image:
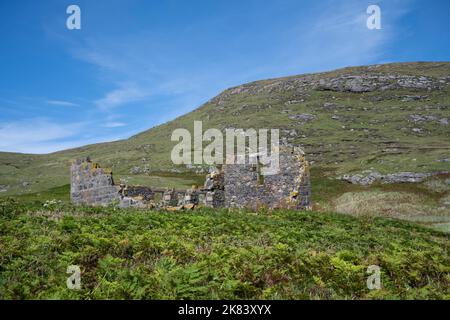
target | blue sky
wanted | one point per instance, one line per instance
(135, 64)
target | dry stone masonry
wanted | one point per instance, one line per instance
(90, 184)
(234, 186)
(215, 190)
(290, 188)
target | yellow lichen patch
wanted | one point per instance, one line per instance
(94, 167)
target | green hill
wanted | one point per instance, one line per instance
(384, 118)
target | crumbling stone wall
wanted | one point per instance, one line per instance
(170, 198)
(192, 197)
(235, 186)
(91, 185)
(138, 192)
(215, 190)
(289, 188)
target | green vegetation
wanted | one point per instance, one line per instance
(212, 254)
(61, 193)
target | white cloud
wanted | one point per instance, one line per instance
(121, 96)
(337, 37)
(114, 124)
(37, 135)
(62, 103)
(40, 136)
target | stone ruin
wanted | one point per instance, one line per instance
(245, 186)
(90, 184)
(234, 186)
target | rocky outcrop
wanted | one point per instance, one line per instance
(364, 178)
(358, 82)
(372, 82)
(368, 177)
(302, 118)
(419, 119)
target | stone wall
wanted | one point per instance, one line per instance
(235, 186)
(214, 187)
(91, 185)
(138, 192)
(290, 188)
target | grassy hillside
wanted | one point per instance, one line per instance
(389, 118)
(216, 254)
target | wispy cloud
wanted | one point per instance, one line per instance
(62, 103)
(42, 135)
(114, 124)
(36, 135)
(123, 95)
(338, 37)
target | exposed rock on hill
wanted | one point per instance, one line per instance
(368, 177)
